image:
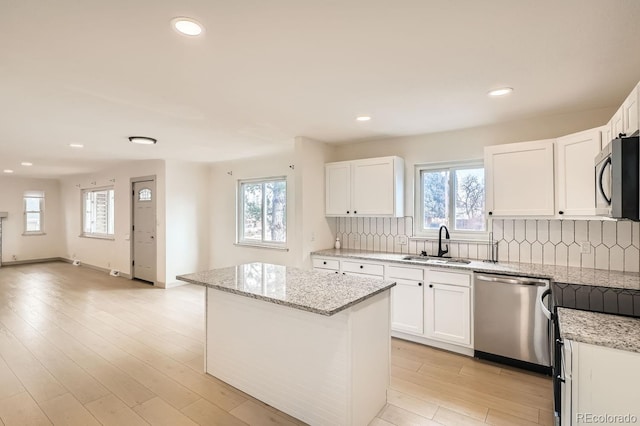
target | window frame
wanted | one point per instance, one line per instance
(240, 240)
(40, 195)
(451, 167)
(97, 235)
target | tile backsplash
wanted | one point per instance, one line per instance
(611, 245)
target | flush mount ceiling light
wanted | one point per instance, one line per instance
(26, 163)
(76, 145)
(501, 91)
(363, 118)
(142, 140)
(8, 171)
(187, 26)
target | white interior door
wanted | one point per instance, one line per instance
(144, 230)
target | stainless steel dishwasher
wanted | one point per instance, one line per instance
(511, 321)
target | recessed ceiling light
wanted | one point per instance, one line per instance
(76, 145)
(142, 140)
(8, 171)
(363, 118)
(187, 26)
(501, 91)
(26, 163)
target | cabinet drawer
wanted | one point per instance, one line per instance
(452, 278)
(326, 271)
(357, 274)
(415, 274)
(326, 263)
(363, 268)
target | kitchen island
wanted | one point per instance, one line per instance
(313, 345)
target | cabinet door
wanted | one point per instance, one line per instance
(448, 313)
(519, 179)
(373, 187)
(607, 381)
(630, 112)
(407, 306)
(575, 178)
(606, 134)
(338, 189)
(617, 124)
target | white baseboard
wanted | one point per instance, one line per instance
(171, 284)
(435, 343)
(94, 267)
(30, 261)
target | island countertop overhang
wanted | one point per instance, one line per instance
(307, 290)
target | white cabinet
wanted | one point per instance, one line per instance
(617, 124)
(338, 189)
(448, 307)
(519, 179)
(630, 112)
(369, 187)
(606, 134)
(407, 299)
(326, 265)
(603, 381)
(575, 179)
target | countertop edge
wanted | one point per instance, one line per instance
(599, 329)
(287, 304)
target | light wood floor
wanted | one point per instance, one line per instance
(79, 347)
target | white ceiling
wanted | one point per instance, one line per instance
(95, 72)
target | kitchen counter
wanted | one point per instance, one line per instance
(612, 331)
(316, 346)
(301, 289)
(558, 274)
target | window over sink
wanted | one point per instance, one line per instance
(452, 195)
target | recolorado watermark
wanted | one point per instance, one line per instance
(606, 419)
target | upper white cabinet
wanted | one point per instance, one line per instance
(519, 179)
(369, 187)
(575, 179)
(617, 124)
(630, 112)
(338, 188)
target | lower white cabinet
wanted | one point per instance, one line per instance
(601, 382)
(407, 299)
(431, 306)
(448, 307)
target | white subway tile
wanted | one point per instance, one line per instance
(555, 231)
(602, 257)
(616, 258)
(624, 233)
(574, 255)
(519, 227)
(548, 254)
(525, 252)
(631, 259)
(568, 231)
(543, 231)
(581, 230)
(562, 254)
(595, 232)
(536, 252)
(531, 230)
(609, 233)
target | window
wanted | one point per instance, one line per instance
(33, 212)
(98, 213)
(450, 195)
(262, 212)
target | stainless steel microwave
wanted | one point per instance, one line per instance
(617, 179)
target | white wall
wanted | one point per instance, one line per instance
(468, 144)
(188, 219)
(222, 198)
(112, 254)
(314, 230)
(32, 247)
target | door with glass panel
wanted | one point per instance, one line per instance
(144, 230)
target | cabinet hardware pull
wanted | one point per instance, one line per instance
(420, 284)
(560, 212)
(361, 266)
(354, 212)
(347, 211)
(324, 263)
(560, 379)
(430, 285)
(490, 213)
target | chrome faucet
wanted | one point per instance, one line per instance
(442, 252)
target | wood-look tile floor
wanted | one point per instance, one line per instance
(78, 347)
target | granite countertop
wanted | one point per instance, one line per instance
(558, 274)
(612, 331)
(311, 291)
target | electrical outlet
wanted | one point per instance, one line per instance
(355, 237)
(585, 247)
(14, 257)
(402, 240)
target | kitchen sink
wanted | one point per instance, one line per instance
(434, 260)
